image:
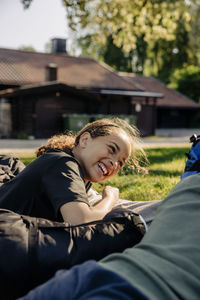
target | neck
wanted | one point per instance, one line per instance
(76, 153)
(77, 156)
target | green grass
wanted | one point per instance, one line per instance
(166, 167)
(27, 160)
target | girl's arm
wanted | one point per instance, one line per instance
(79, 212)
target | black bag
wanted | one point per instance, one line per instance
(10, 166)
(33, 249)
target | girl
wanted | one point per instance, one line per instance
(55, 185)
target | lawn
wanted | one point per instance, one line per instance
(166, 166)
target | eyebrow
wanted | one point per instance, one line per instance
(118, 148)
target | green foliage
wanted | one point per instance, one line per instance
(149, 37)
(194, 32)
(90, 48)
(116, 58)
(186, 81)
(154, 20)
(153, 38)
(27, 160)
(109, 53)
(170, 55)
(27, 48)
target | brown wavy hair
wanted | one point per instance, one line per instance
(137, 160)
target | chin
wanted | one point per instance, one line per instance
(103, 179)
(92, 179)
(96, 180)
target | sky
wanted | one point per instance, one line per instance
(45, 19)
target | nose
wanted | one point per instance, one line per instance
(114, 163)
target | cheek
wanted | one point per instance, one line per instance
(114, 173)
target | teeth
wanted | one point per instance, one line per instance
(103, 168)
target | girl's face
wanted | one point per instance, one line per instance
(102, 157)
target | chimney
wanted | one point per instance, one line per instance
(51, 72)
(58, 46)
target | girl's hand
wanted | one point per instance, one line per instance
(79, 212)
(111, 193)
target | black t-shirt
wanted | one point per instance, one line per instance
(53, 179)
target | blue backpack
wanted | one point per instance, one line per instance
(193, 162)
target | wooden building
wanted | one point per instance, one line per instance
(38, 110)
(173, 111)
(40, 88)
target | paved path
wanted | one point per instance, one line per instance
(20, 147)
(28, 147)
(166, 142)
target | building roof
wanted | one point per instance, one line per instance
(37, 88)
(19, 67)
(171, 98)
(131, 93)
(60, 86)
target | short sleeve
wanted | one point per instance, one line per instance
(63, 183)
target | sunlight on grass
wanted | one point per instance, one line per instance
(141, 188)
(177, 165)
(27, 160)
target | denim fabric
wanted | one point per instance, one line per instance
(87, 281)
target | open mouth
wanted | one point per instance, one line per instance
(103, 168)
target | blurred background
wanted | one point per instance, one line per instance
(65, 63)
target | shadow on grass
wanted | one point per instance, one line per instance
(164, 173)
(155, 172)
(129, 186)
(162, 155)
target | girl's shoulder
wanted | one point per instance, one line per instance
(61, 159)
(59, 156)
(52, 157)
(59, 153)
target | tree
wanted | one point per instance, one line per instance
(109, 53)
(116, 58)
(186, 81)
(170, 55)
(143, 31)
(27, 48)
(143, 36)
(194, 35)
(125, 21)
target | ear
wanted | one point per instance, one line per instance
(85, 138)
